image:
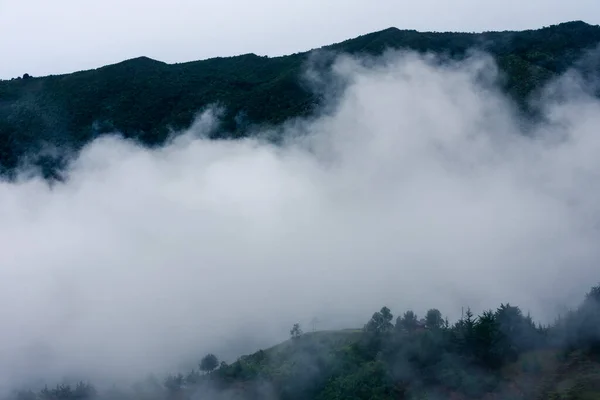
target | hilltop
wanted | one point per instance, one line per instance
(500, 354)
(147, 100)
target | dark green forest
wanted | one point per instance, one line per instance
(500, 354)
(41, 118)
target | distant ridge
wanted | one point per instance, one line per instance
(578, 24)
(144, 98)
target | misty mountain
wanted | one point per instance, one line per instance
(501, 354)
(148, 100)
(397, 178)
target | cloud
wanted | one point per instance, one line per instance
(418, 189)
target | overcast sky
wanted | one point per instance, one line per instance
(43, 37)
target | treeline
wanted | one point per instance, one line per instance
(501, 354)
(41, 118)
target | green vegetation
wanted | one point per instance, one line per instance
(209, 363)
(501, 354)
(147, 100)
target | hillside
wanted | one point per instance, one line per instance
(500, 354)
(147, 99)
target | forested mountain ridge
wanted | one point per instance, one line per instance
(147, 99)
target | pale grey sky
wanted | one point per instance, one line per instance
(43, 37)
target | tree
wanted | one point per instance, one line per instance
(174, 383)
(593, 295)
(26, 395)
(463, 332)
(433, 319)
(586, 324)
(408, 322)
(209, 363)
(193, 377)
(386, 319)
(486, 340)
(380, 322)
(84, 390)
(519, 335)
(296, 331)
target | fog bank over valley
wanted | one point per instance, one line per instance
(418, 187)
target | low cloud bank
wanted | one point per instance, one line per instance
(419, 189)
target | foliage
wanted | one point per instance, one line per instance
(499, 354)
(62, 392)
(209, 362)
(296, 331)
(381, 322)
(408, 322)
(146, 100)
(434, 319)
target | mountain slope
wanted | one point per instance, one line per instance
(498, 355)
(146, 99)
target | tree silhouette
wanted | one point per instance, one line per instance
(408, 322)
(296, 332)
(380, 321)
(433, 319)
(209, 362)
